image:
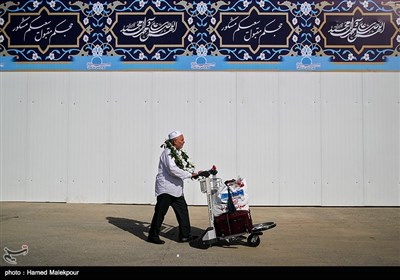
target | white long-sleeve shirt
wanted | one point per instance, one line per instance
(170, 177)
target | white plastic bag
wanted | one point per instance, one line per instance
(239, 194)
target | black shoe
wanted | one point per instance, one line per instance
(155, 240)
(188, 239)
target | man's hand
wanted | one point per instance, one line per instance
(196, 175)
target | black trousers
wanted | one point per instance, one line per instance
(178, 204)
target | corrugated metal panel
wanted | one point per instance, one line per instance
(89, 137)
(47, 144)
(273, 129)
(130, 140)
(381, 138)
(300, 139)
(173, 108)
(215, 123)
(14, 117)
(258, 135)
(342, 139)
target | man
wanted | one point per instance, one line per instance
(174, 167)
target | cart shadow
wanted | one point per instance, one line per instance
(231, 244)
(140, 229)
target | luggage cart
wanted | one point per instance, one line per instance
(211, 187)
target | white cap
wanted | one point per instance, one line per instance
(174, 134)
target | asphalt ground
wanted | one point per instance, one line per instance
(109, 235)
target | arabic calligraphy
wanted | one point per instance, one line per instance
(356, 28)
(150, 30)
(253, 30)
(42, 30)
(146, 28)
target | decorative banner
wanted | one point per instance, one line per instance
(67, 35)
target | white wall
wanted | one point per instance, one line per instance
(320, 138)
(342, 139)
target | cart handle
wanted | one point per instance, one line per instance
(207, 173)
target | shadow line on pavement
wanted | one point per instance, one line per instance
(140, 229)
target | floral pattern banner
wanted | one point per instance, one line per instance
(244, 35)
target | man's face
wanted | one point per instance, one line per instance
(179, 142)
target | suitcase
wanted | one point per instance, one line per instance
(238, 222)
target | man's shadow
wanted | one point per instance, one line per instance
(140, 229)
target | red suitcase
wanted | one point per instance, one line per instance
(238, 222)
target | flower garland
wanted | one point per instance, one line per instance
(180, 156)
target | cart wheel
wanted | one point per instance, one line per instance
(253, 240)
